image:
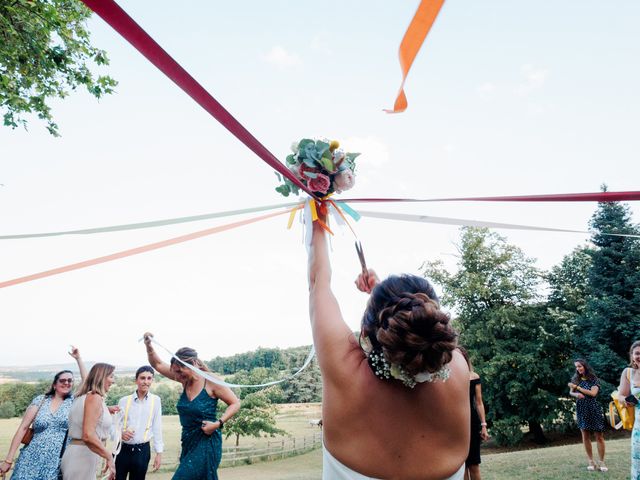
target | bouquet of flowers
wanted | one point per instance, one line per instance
(321, 165)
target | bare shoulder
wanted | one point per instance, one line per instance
(93, 402)
(93, 397)
(473, 376)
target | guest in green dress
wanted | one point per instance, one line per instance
(201, 427)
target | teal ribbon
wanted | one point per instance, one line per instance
(349, 211)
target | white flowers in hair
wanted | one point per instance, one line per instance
(385, 370)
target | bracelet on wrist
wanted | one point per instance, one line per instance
(483, 424)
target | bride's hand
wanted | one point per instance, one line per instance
(365, 283)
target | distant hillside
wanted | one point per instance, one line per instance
(34, 373)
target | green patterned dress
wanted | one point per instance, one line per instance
(201, 453)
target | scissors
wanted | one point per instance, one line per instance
(363, 263)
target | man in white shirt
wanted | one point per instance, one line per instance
(141, 425)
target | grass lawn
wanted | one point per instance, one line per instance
(566, 462)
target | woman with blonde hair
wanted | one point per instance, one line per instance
(629, 392)
(201, 437)
(49, 415)
(89, 426)
(395, 401)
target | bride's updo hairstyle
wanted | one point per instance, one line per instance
(403, 320)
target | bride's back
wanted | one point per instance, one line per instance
(383, 429)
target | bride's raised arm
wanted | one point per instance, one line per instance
(331, 336)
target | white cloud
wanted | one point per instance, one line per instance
(486, 88)
(320, 44)
(449, 148)
(534, 78)
(280, 57)
(374, 151)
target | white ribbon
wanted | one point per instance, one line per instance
(217, 381)
(476, 223)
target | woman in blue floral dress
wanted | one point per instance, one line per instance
(48, 414)
(201, 427)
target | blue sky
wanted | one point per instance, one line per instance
(505, 98)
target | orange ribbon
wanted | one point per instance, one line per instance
(343, 217)
(411, 43)
(142, 249)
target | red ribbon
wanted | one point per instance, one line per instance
(559, 197)
(121, 22)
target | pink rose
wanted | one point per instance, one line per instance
(344, 180)
(319, 184)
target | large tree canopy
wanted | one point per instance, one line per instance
(610, 320)
(45, 52)
(519, 347)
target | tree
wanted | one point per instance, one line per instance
(45, 52)
(519, 349)
(169, 396)
(7, 409)
(569, 281)
(610, 321)
(256, 417)
(305, 388)
(21, 394)
(257, 376)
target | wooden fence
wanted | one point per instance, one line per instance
(274, 450)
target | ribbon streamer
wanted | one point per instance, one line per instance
(122, 23)
(562, 197)
(476, 223)
(150, 224)
(138, 250)
(557, 197)
(410, 46)
(217, 381)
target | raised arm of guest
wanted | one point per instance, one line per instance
(155, 361)
(75, 353)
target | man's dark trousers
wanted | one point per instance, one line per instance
(134, 460)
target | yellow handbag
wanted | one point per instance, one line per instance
(621, 416)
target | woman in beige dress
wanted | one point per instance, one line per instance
(89, 427)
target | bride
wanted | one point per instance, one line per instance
(395, 400)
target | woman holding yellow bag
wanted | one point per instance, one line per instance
(630, 386)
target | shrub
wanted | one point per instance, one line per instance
(507, 431)
(7, 410)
